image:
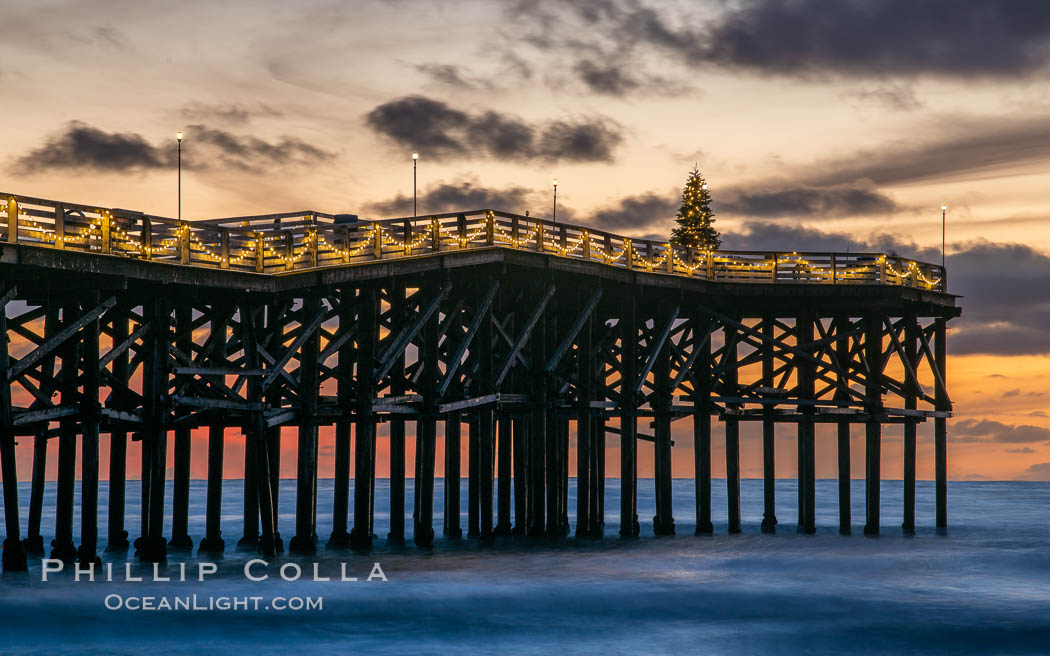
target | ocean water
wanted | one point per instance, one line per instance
(981, 587)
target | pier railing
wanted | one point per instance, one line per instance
(292, 241)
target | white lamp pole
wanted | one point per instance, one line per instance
(555, 215)
(944, 214)
(415, 159)
(178, 137)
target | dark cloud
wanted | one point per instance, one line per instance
(231, 113)
(83, 147)
(806, 202)
(442, 132)
(994, 431)
(1005, 299)
(463, 194)
(1037, 472)
(606, 79)
(637, 213)
(1024, 449)
(873, 38)
(1038, 413)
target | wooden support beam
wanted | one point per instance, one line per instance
(732, 433)
(122, 348)
(426, 438)
(873, 427)
(769, 477)
(660, 401)
(180, 501)
(306, 332)
(72, 327)
(702, 426)
(409, 332)
(486, 428)
(503, 461)
(340, 537)
(574, 330)
(117, 540)
(364, 427)
(655, 348)
(305, 539)
(908, 355)
(212, 541)
(453, 439)
(940, 424)
(585, 443)
(480, 313)
(34, 543)
(14, 557)
(257, 450)
(156, 406)
(520, 436)
(62, 546)
(628, 417)
(842, 350)
(524, 335)
(806, 430)
(89, 409)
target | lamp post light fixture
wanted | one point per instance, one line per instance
(944, 214)
(178, 137)
(415, 159)
(555, 214)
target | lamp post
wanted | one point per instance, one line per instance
(178, 137)
(944, 214)
(555, 214)
(415, 159)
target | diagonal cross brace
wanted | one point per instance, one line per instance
(526, 332)
(386, 362)
(655, 351)
(304, 335)
(39, 352)
(574, 330)
(464, 344)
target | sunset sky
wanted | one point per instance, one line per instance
(819, 125)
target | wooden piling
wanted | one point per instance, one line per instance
(117, 540)
(62, 546)
(453, 427)
(732, 423)
(157, 403)
(340, 537)
(842, 352)
(504, 458)
(397, 424)
(256, 445)
(663, 521)
(89, 411)
(520, 437)
(873, 425)
(486, 427)
(702, 424)
(806, 428)
(180, 501)
(364, 426)
(940, 424)
(426, 437)
(628, 419)
(911, 398)
(14, 557)
(305, 539)
(585, 370)
(769, 475)
(212, 541)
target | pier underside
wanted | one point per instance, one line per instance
(524, 352)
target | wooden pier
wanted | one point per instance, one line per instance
(516, 331)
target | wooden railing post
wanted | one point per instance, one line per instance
(563, 239)
(461, 228)
(490, 228)
(587, 245)
(882, 270)
(435, 235)
(224, 248)
(344, 237)
(184, 243)
(649, 255)
(608, 249)
(776, 266)
(260, 253)
(834, 270)
(670, 257)
(311, 241)
(60, 226)
(147, 238)
(289, 250)
(106, 226)
(377, 241)
(12, 220)
(539, 236)
(406, 235)
(709, 264)
(628, 252)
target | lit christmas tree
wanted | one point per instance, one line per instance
(695, 219)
